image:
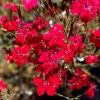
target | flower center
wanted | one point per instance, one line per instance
(46, 84)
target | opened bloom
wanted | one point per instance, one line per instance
(90, 92)
(11, 25)
(12, 6)
(91, 59)
(49, 85)
(19, 55)
(2, 85)
(95, 38)
(86, 9)
(30, 3)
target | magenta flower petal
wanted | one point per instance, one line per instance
(76, 7)
(85, 16)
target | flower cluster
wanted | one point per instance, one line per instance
(49, 50)
(86, 9)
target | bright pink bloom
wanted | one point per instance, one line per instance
(29, 4)
(3, 19)
(90, 92)
(76, 38)
(12, 6)
(2, 85)
(40, 23)
(31, 37)
(57, 27)
(55, 36)
(76, 43)
(20, 55)
(49, 85)
(17, 19)
(79, 80)
(95, 38)
(11, 25)
(48, 67)
(86, 9)
(91, 58)
(27, 36)
(19, 40)
(69, 54)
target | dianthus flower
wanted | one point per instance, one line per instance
(29, 4)
(2, 85)
(86, 9)
(11, 25)
(40, 23)
(50, 85)
(47, 65)
(90, 92)
(3, 19)
(79, 80)
(69, 54)
(55, 35)
(19, 54)
(95, 38)
(91, 58)
(12, 6)
(27, 35)
(76, 43)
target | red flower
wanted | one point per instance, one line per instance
(44, 57)
(87, 9)
(30, 3)
(48, 67)
(31, 37)
(79, 80)
(77, 47)
(17, 19)
(90, 92)
(49, 85)
(11, 25)
(91, 58)
(3, 19)
(69, 54)
(27, 36)
(75, 83)
(76, 43)
(12, 6)
(40, 23)
(76, 38)
(96, 38)
(2, 85)
(20, 55)
(55, 37)
(56, 27)
(19, 40)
